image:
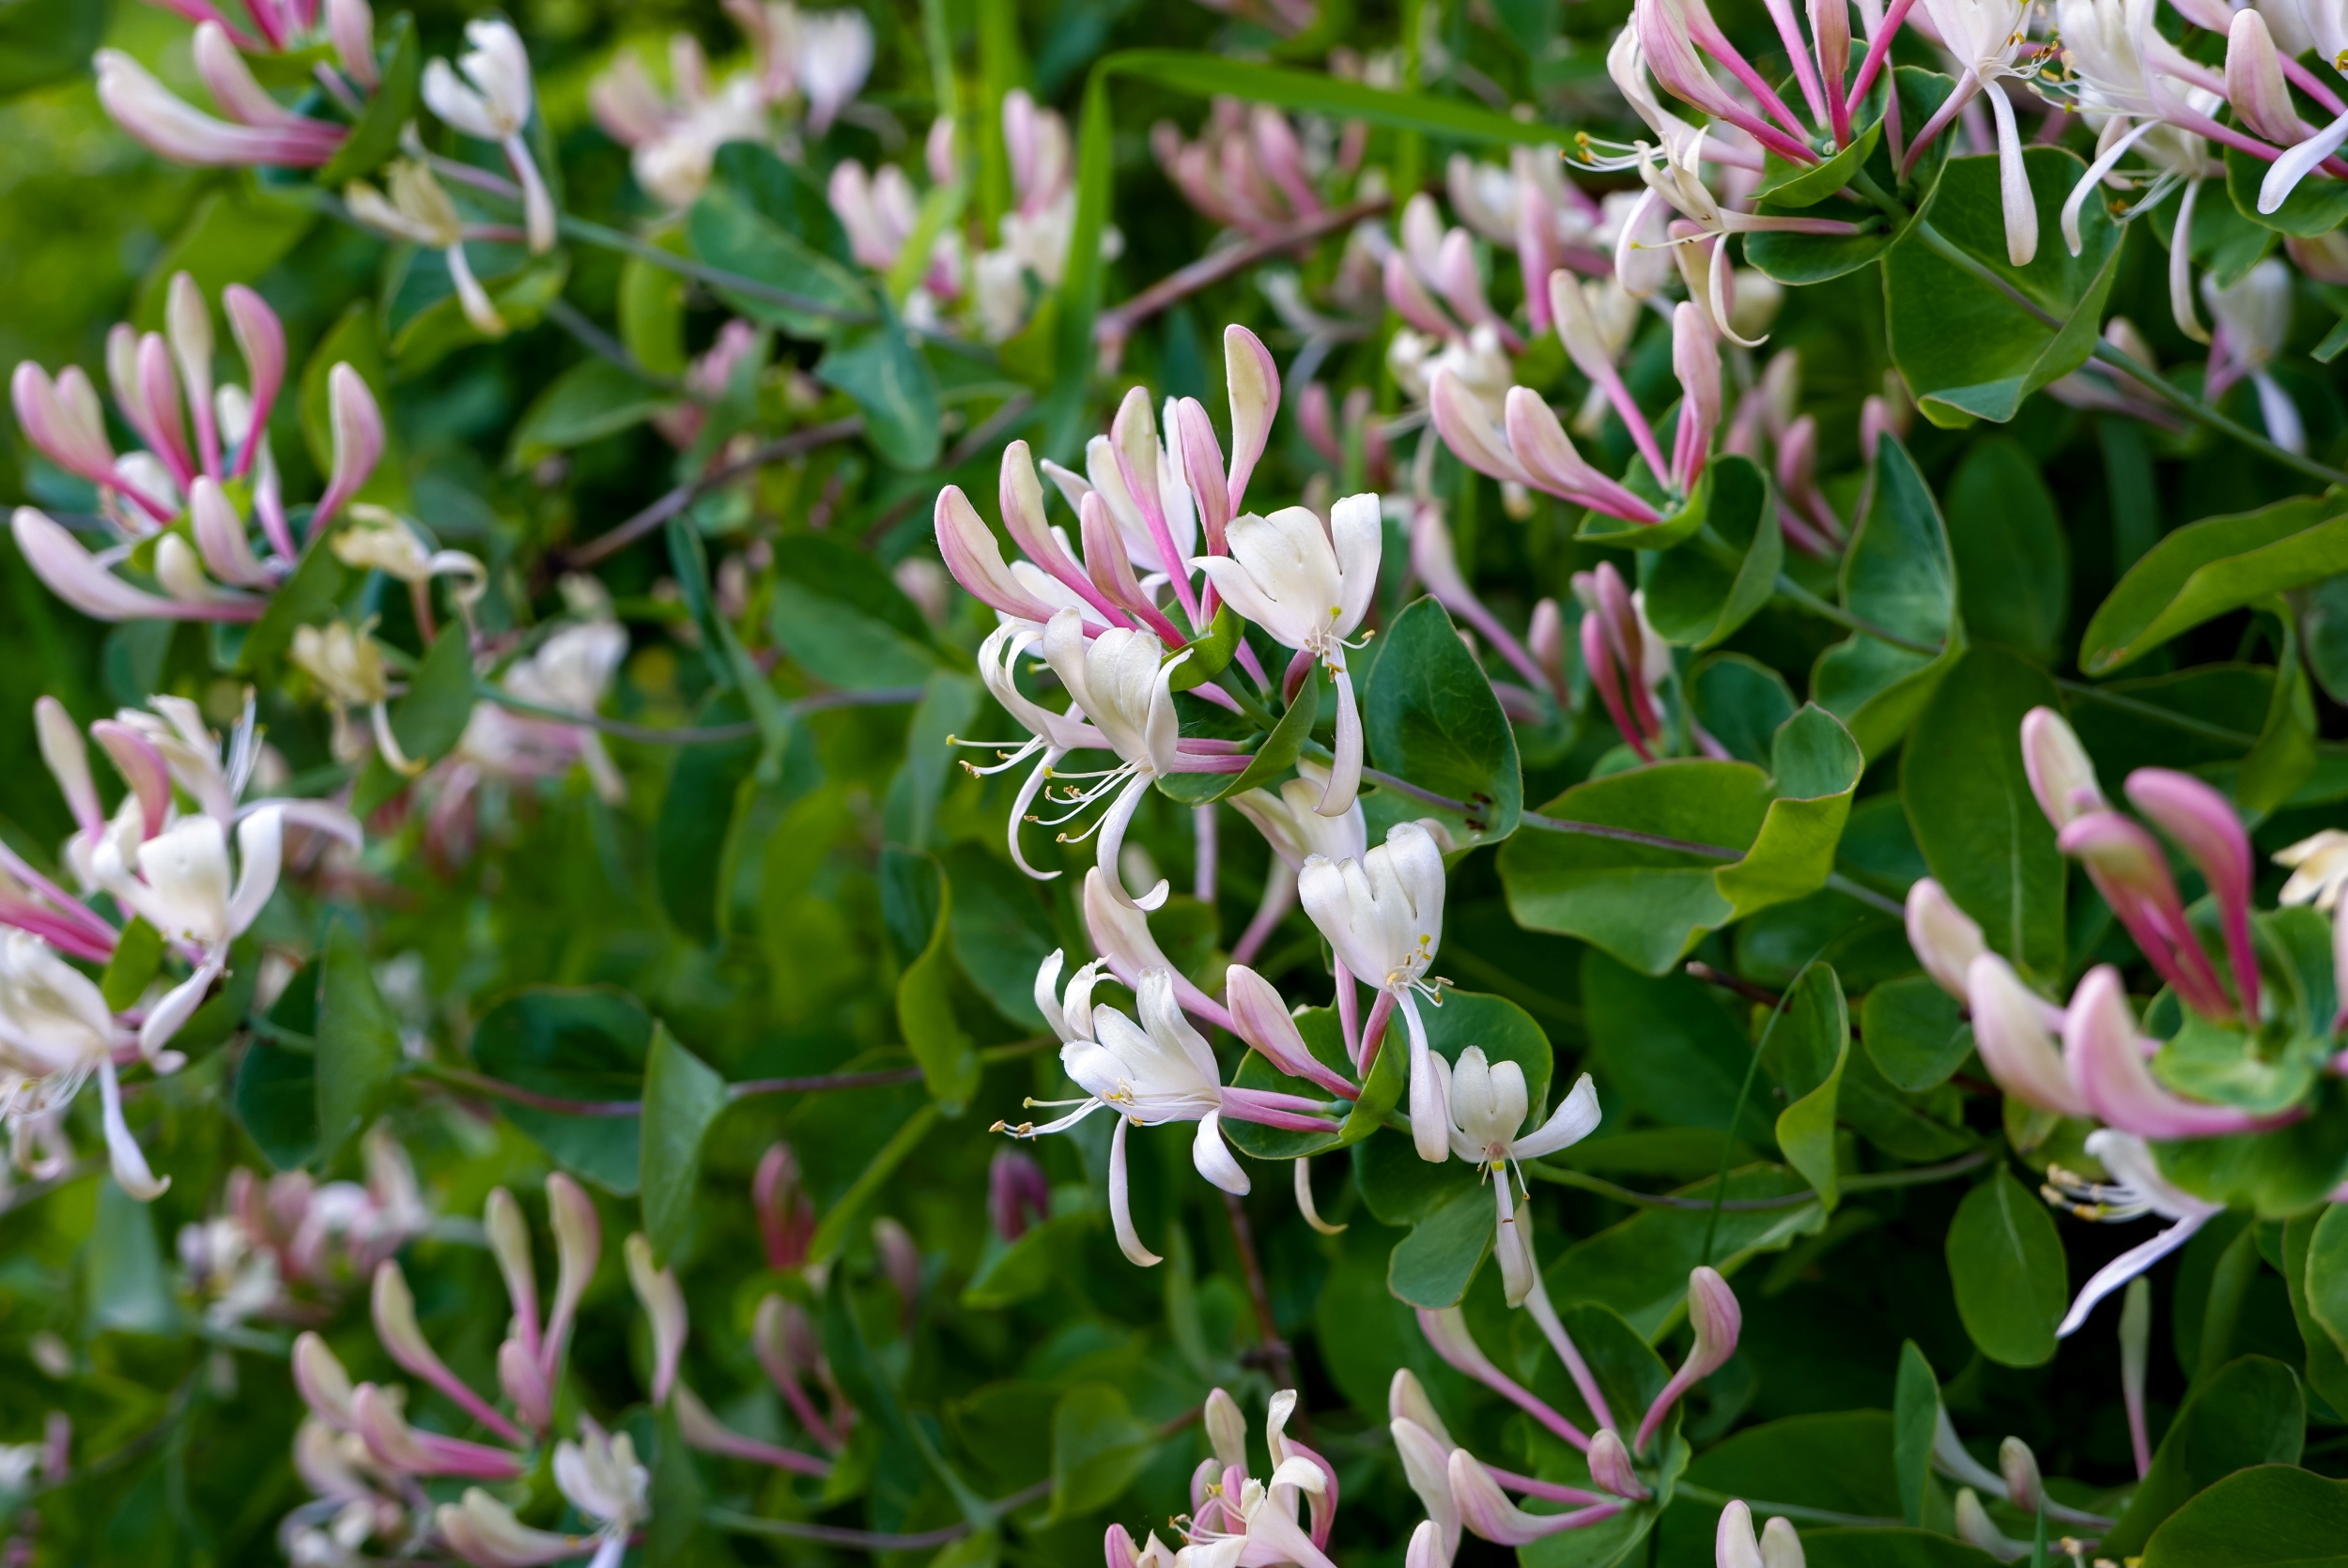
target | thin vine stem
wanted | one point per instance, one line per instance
(714, 734)
(1879, 1181)
(1825, 609)
(797, 443)
(1710, 1498)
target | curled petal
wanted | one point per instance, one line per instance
(1120, 1202)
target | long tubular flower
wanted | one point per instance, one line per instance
(1309, 587)
(1485, 1509)
(1943, 937)
(1447, 1331)
(1534, 452)
(2137, 1188)
(1121, 934)
(1486, 1105)
(1383, 915)
(2204, 825)
(1289, 822)
(2104, 1059)
(1984, 35)
(492, 101)
(1436, 565)
(2252, 324)
(1717, 1320)
(1160, 1070)
(1260, 1017)
(2057, 768)
(419, 211)
(2127, 868)
(2010, 1030)
(173, 129)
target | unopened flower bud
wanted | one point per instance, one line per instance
(664, 1303)
(2060, 774)
(357, 431)
(1945, 939)
(2010, 1032)
(1780, 1546)
(1226, 1430)
(522, 1382)
(319, 1378)
(350, 27)
(2019, 1467)
(1610, 1468)
(1975, 1528)
(1713, 1313)
(1406, 1400)
(900, 1260)
(1017, 1193)
(578, 1245)
(509, 1243)
(1253, 381)
(1733, 1544)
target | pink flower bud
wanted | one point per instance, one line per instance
(509, 1243)
(1944, 938)
(63, 749)
(241, 98)
(1486, 1509)
(484, 1532)
(2105, 1058)
(323, 1384)
(1201, 460)
(1425, 1549)
(395, 1444)
(1733, 1545)
(1316, 419)
(2019, 1467)
(1406, 1400)
(1610, 1467)
(1407, 296)
(1696, 360)
(2011, 1035)
(2059, 774)
(1017, 1193)
(261, 338)
(1121, 934)
(2204, 825)
(168, 126)
(578, 1245)
(1468, 430)
(663, 1302)
(159, 393)
(350, 27)
(358, 427)
(220, 536)
(969, 550)
(63, 420)
(2255, 84)
(395, 1308)
(1253, 382)
(1463, 286)
(73, 574)
(1544, 638)
(1551, 463)
(1260, 1017)
(786, 1220)
(900, 1261)
(1713, 1313)
(522, 1382)
(2127, 868)
(937, 150)
(1281, 157)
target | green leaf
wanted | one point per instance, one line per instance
(1640, 1267)
(683, 1095)
(880, 368)
(1006, 1276)
(2249, 1412)
(358, 1042)
(925, 1012)
(841, 616)
(2266, 1516)
(2326, 1364)
(138, 957)
(47, 41)
(697, 812)
(2325, 1273)
(1915, 1419)
(785, 196)
(1890, 1548)
(305, 599)
(832, 1233)
(1812, 258)
(948, 702)
(126, 1284)
(1000, 931)
(2314, 207)
(1278, 752)
(430, 718)
(727, 232)
(276, 1102)
(1915, 1032)
(1698, 594)
(2276, 1174)
(236, 234)
(585, 1044)
(1217, 75)
(676, 1536)
(1433, 1265)
(2285, 753)
(391, 106)
(1969, 805)
(441, 327)
(1429, 715)
(1969, 351)
(1817, 765)
(652, 308)
(1099, 1447)
(2205, 569)
(2009, 542)
(1740, 703)
(1807, 184)
(1210, 653)
(1898, 574)
(2005, 1258)
(593, 399)
(1807, 1047)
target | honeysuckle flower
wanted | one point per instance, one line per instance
(491, 100)
(2059, 773)
(272, 1238)
(2204, 824)
(2105, 1058)
(1248, 169)
(1308, 587)
(1610, 1468)
(2127, 867)
(598, 1475)
(1260, 1017)
(1951, 1459)
(55, 1033)
(1734, 1546)
(419, 211)
(1717, 1320)
(346, 668)
(1672, 32)
(261, 134)
(1984, 35)
(1486, 1512)
(1628, 663)
(2318, 870)
(1291, 820)
(786, 1345)
(2136, 1189)
(833, 53)
(1485, 1106)
(1677, 181)
(2252, 322)
(673, 139)
(1383, 916)
(1239, 1521)
(1121, 934)
(1121, 1552)
(1943, 937)
(1534, 451)
(1159, 1071)
(2011, 1032)
(1447, 1334)
(786, 1216)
